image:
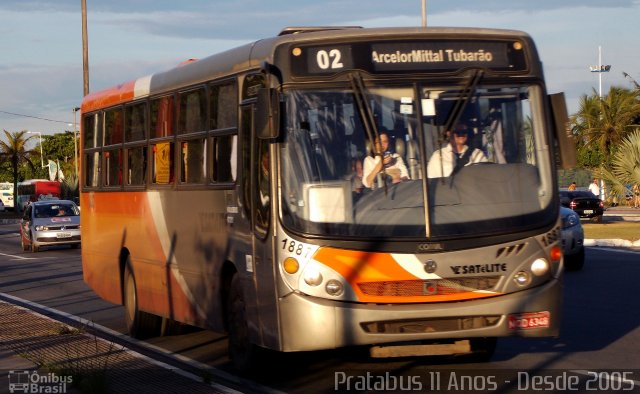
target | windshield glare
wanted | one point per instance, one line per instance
(439, 161)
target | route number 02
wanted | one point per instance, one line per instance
(329, 59)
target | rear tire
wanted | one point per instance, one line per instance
(140, 324)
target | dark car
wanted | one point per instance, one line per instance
(584, 203)
(48, 223)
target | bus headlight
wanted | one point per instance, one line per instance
(42, 228)
(540, 267)
(312, 275)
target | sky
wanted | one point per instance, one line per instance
(41, 45)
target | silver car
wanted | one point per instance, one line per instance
(572, 239)
(48, 223)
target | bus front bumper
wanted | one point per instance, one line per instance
(310, 323)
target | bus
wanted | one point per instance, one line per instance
(221, 194)
(36, 189)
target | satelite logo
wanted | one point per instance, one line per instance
(33, 382)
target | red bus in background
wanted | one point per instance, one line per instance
(36, 189)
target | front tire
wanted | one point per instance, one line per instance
(140, 324)
(34, 248)
(243, 354)
(575, 262)
(482, 349)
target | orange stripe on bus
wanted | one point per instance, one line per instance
(361, 267)
(109, 97)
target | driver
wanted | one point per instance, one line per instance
(455, 155)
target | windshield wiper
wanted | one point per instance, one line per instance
(463, 98)
(368, 121)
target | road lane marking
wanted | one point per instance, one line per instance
(18, 257)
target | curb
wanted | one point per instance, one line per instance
(73, 353)
(620, 243)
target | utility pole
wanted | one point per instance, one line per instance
(424, 13)
(85, 48)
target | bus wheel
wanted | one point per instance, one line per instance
(482, 349)
(243, 354)
(139, 324)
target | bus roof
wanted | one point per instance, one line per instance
(250, 56)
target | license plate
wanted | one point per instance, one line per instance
(526, 321)
(63, 235)
(588, 211)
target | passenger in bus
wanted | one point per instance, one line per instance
(456, 154)
(357, 186)
(394, 167)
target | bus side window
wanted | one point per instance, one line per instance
(92, 169)
(137, 166)
(162, 162)
(113, 167)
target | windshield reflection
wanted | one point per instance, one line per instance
(479, 175)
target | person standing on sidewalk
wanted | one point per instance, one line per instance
(636, 195)
(594, 188)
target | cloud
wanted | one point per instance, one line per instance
(40, 71)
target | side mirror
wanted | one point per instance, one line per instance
(268, 114)
(566, 142)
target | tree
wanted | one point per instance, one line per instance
(14, 151)
(625, 165)
(59, 147)
(602, 123)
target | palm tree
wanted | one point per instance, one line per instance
(604, 122)
(625, 165)
(14, 151)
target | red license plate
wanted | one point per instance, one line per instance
(526, 321)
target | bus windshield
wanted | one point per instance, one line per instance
(433, 161)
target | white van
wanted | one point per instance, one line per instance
(7, 199)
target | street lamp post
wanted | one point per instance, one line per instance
(41, 154)
(600, 68)
(75, 140)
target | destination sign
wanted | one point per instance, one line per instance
(408, 56)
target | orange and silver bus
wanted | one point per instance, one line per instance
(226, 193)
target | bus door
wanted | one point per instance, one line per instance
(259, 264)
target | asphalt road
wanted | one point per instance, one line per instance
(600, 333)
